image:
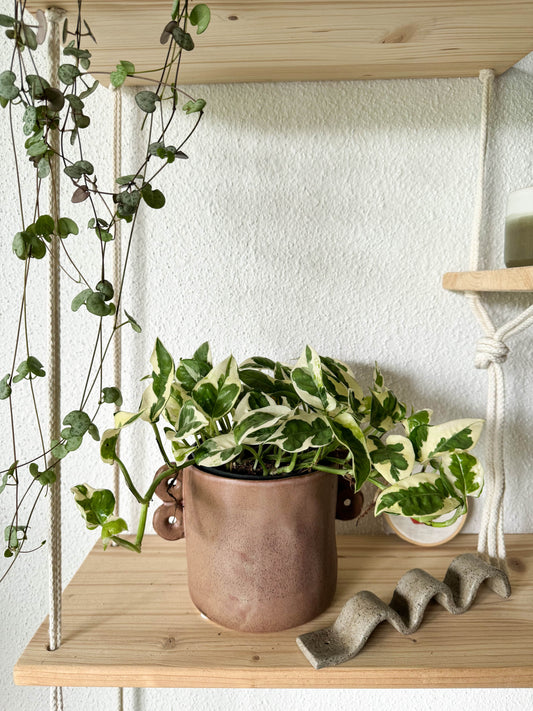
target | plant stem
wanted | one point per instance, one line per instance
(160, 444)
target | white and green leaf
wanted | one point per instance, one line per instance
(217, 451)
(422, 417)
(258, 425)
(191, 420)
(421, 495)
(349, 433)
(395, 459)
(217, 393)
(181, 451)
(340, 380)
(306, 430)
(307, 379)
(385, 410)
(108, 446)
(95, 505)
(123, 418)
(464, 471)
(449, 437)
(254, 400)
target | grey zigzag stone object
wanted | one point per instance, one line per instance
(364, 611)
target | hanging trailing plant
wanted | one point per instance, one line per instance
(37, 110)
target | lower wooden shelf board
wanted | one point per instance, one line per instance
(128, 621)
(511, 279)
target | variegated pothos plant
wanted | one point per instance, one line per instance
(275, 418)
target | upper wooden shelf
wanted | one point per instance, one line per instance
(298, 40)
(128, 621)
(514, 279)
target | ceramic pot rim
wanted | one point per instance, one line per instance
(223, 474)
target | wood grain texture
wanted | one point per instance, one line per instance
(514, 279)
(257, 40)
(128, 621)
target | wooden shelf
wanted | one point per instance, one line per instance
(128, 621)
(515, 279)
(267, 40)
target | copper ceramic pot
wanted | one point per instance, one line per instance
(261, 553)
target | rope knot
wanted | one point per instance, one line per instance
(55, 14)
(490, 350)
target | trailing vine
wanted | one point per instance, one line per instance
(39, 109)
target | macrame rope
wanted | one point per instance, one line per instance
(491, 353)
(117, 276)
(117, 268)
(54, 17)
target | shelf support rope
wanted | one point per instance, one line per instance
(491, 353)
(54, 16)
(117, 276)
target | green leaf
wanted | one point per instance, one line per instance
(8, 90)
(28, 368)
(58, 450)
(29, 37)
(253, 400)
(29, 120)
(103, 235)
(95, 505)
(22, 245)
(43, 167)
(93, 431)
(87, 92)
(112, 527)
(5, 387)
(133, 323)
(15, 536)
(192, 107)
(80, 299)
(44, 226)
(96, 304)
(127, 179)
(48, 476)
(203, 353)
(153, 198)
(108, 445)
(200, 17)
(190, 371)
(217, 393)
(112, 395)
(37, 86)
(128, 202)
(182, 38)
(68, 73)
(66, 226)
(8, 475)
(78, 423)
(146, 101)
(78, 169)
(6, 21)
(347, 430)
(106, 289)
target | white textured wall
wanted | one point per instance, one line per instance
(321, 213)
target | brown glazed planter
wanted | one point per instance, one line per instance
(261, 553)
